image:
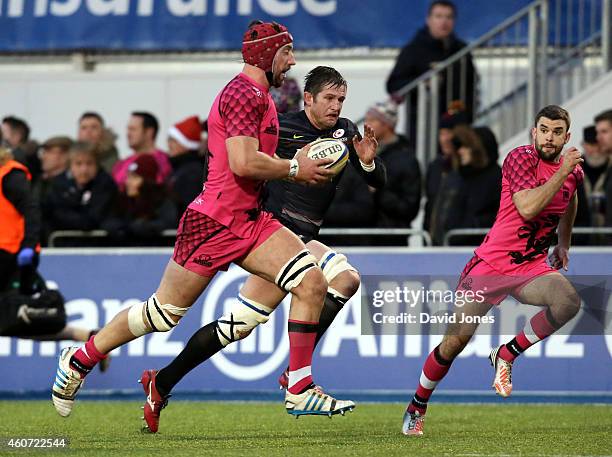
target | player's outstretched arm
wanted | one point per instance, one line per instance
(530, 202)
(246, 161)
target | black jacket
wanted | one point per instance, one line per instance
(436, 173)
(467, 198)
(478, 200)
(353, 204)
(397, 204)
(417, 57)
(141, 221)
(187, 179)
(68, 207)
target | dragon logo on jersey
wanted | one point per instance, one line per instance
(535, 246)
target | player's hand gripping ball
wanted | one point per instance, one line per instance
(325, 148)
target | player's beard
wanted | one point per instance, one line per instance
(277, 81)
(548, 156)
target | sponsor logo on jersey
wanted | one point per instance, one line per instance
(338, 133)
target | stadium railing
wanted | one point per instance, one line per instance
(59, 235)
(382, 232)
(455, 233)
(547, 51)
(54, 237)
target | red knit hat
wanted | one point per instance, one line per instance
(145, 165)
(261, 42)
(188, 132)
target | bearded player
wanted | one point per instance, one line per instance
(226, 224)
(302, 209)
(538, 198)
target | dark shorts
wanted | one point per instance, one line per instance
(204, 246)
(479, 276)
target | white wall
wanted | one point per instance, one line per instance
(582, 108)
(52, 98)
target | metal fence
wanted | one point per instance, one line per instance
(532, 59)
(66, 237)
(600, 232)
(338, 234)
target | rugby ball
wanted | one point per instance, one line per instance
(331, 148)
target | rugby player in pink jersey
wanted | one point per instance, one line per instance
(538, 199)
(226, 224)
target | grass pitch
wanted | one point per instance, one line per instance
(254, 429)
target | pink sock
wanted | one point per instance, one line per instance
(539, 327)
(86, 357)
(434, 369)
(302, 336)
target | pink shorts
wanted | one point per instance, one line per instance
(479, 276)
(204, 246)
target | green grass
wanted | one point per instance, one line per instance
(254, 429)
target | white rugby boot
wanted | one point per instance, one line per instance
(315, 402)
(67, 383)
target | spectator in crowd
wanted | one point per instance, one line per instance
(16, 136)
(477, 202)
(352, 207)
(81, 197)
(184, 144)
(92, 130)
(141, 134)
(144, 209)
(20, 223)
(288, 97)
(398, 203)
(432, 44)
(603, 127)
(438, 169)
(469, 191)
(591, 194)
(54, 162)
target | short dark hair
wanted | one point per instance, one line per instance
(62, 142)
(92, 115)
(149, 121)
(322, 76)
(83, 147)
(554, 113)
(444, 3)
(605, 116)
(18, 125)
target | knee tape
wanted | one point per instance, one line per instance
(240, 320)
(332, 263)
(152, 316)
(292, 273)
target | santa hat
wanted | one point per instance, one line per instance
(145, 165)
(261, 42)
(188, 132)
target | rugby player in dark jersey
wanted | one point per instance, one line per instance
(301, 208)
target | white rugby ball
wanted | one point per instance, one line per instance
(331, 148)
